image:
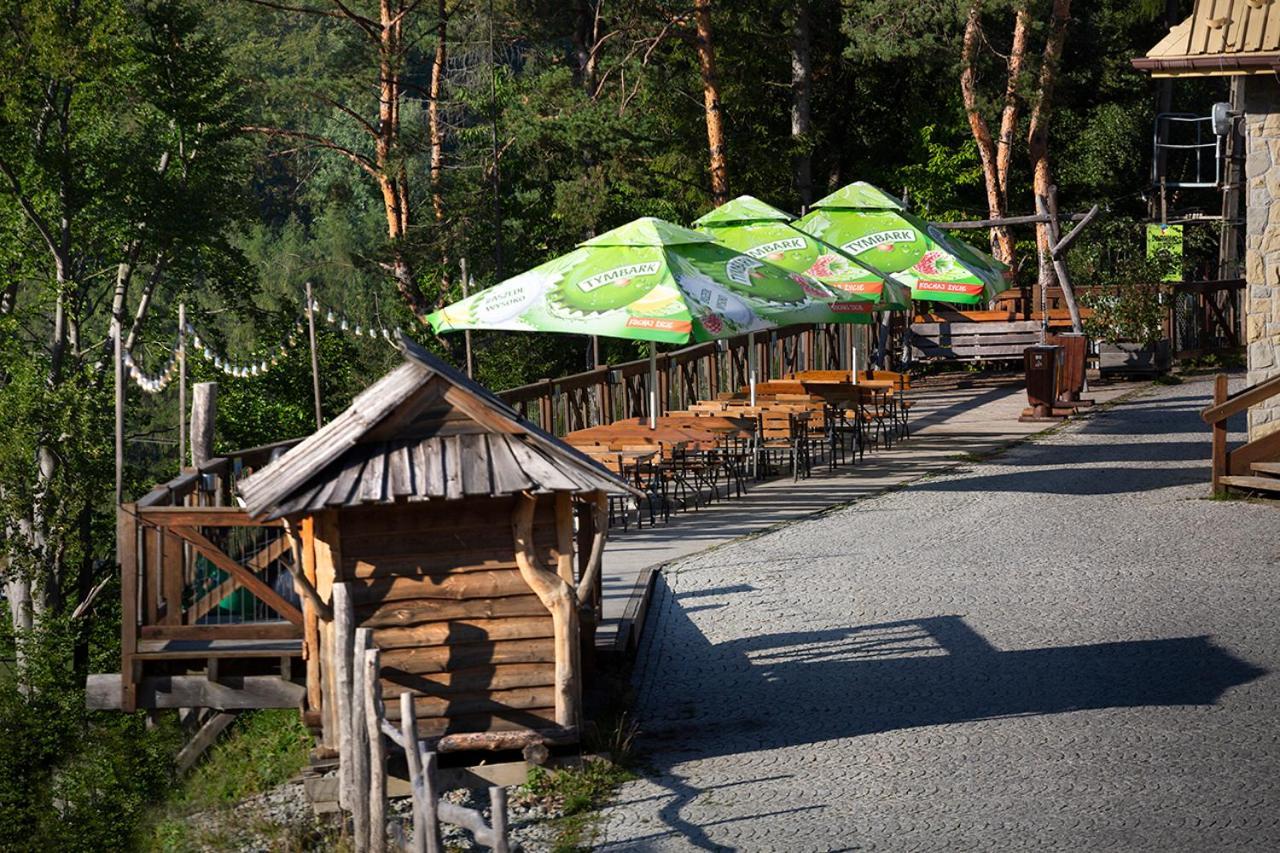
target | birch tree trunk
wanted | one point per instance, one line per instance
(1038, 131)
(801, 101)
(711, 102)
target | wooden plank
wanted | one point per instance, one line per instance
(220, 648)
(247, 579)
(475, 465)
(465, 631)
(469, 680)
(935, 329)
(347, 480)
(373, 524)
(328, 552)
(422, 562)
(102, 692)
(497, 703)
(450, 458)
(373, 479)
(235, 631)
(470, 585)
(429, 476)
(202, 516)
(442, 659)
(508, 477)
(513, 721)
(399, 472)
(382, 614)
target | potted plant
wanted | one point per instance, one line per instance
(1127, 324)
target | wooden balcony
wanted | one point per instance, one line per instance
(210, 617)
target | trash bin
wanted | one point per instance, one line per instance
(1043, 365)
(1075, 349)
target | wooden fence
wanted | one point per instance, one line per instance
(685, 376)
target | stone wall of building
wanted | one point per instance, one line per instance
(1262, 249)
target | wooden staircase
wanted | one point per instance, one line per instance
(1251, 467)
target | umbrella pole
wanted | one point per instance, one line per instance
(751, 365)
(853, 357)
(653, 386)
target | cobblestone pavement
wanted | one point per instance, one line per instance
(1063, 647)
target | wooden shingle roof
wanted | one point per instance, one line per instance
(423, 432)
(1221, 37)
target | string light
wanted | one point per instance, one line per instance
(155, 383)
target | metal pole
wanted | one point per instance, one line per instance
(182, 386)
(466, 334)
(751, 365)
(315, 360)
(853, 357)
(119, 388)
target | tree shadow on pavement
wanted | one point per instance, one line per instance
(790, 689)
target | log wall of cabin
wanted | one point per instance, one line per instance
(438, 583)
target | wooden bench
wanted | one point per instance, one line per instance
(974, 341)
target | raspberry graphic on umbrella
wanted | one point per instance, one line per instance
(928, 265)
(822, 266)
(712, 323)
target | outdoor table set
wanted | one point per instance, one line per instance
(684, 457)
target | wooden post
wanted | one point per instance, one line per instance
(559, 598)
(431, 797)
(343, 642)
(315, 359)
(1219, 435)
(466, 333)
(182, 386)
(1060, 260)
(373, 715)
(127, 554)
(359, 743)
(204, 412)
(498, 818)
(564, 536)
(426, 836)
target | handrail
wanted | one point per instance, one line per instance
(1241, 400)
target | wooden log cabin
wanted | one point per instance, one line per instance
(466, 538)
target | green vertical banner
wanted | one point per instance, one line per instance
(1164, 246)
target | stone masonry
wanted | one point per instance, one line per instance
(1262, 251)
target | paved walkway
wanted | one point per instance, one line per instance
(1063, 647)
(948, 423)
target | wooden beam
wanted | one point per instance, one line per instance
(1059, 249)
(102, 692)
(202, 516)
(202, 740)
(1241, 400)
(1030, 219)
(247, 578)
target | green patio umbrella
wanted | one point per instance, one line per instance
(762, 231)
(877, 229)
(647, 280)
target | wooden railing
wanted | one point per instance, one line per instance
(685, 376)
(1236, 462)
(195, 568)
